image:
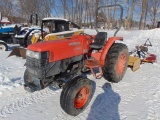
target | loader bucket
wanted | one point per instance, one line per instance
(134, 62)
(20, 52)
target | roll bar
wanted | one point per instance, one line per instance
(121, 15)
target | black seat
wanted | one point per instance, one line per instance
(99, 40)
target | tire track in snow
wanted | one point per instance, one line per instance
(148, 87)
(153, 103)
(126, 98)
(130, 94)
(5, 69)
(81, 116)
(151, 92)
(140, 85)
(7, 83)
(26, 101)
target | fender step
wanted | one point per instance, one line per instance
(91, 64)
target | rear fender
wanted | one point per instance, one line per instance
(107, 47)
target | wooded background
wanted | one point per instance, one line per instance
(137, 13)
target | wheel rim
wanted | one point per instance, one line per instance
(2, 47)
(121, 63)
(81, 97)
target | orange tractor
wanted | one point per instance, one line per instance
(63, 61)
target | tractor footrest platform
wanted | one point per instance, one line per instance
(91, 64)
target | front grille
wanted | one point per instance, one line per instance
(36, 63)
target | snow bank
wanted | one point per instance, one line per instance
(11, 72)
(7, 84)
(140, 36)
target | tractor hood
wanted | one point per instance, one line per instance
(6, 29)
(48, 46)
(59, 49)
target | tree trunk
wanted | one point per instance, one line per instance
(131, 15)
(143, 15)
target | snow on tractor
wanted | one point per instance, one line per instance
(61, 62)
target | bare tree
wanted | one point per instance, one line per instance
(131, 14)
(82, 12)
(153, 9)
(143, 14)
(7, 8)
(41, 7)
(64, 7)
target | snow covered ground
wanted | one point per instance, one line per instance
(136, 97)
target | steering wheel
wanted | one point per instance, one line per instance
(86, 35)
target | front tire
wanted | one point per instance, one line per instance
(27, 77)
(76, 95)
(116, 62)
(3, 46)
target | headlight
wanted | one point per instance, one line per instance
(32, 54)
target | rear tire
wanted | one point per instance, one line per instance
(116, 62)
(76, 95)
(3, 46)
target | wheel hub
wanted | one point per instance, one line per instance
(81, 97)
(121, 63)
(2, 48)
